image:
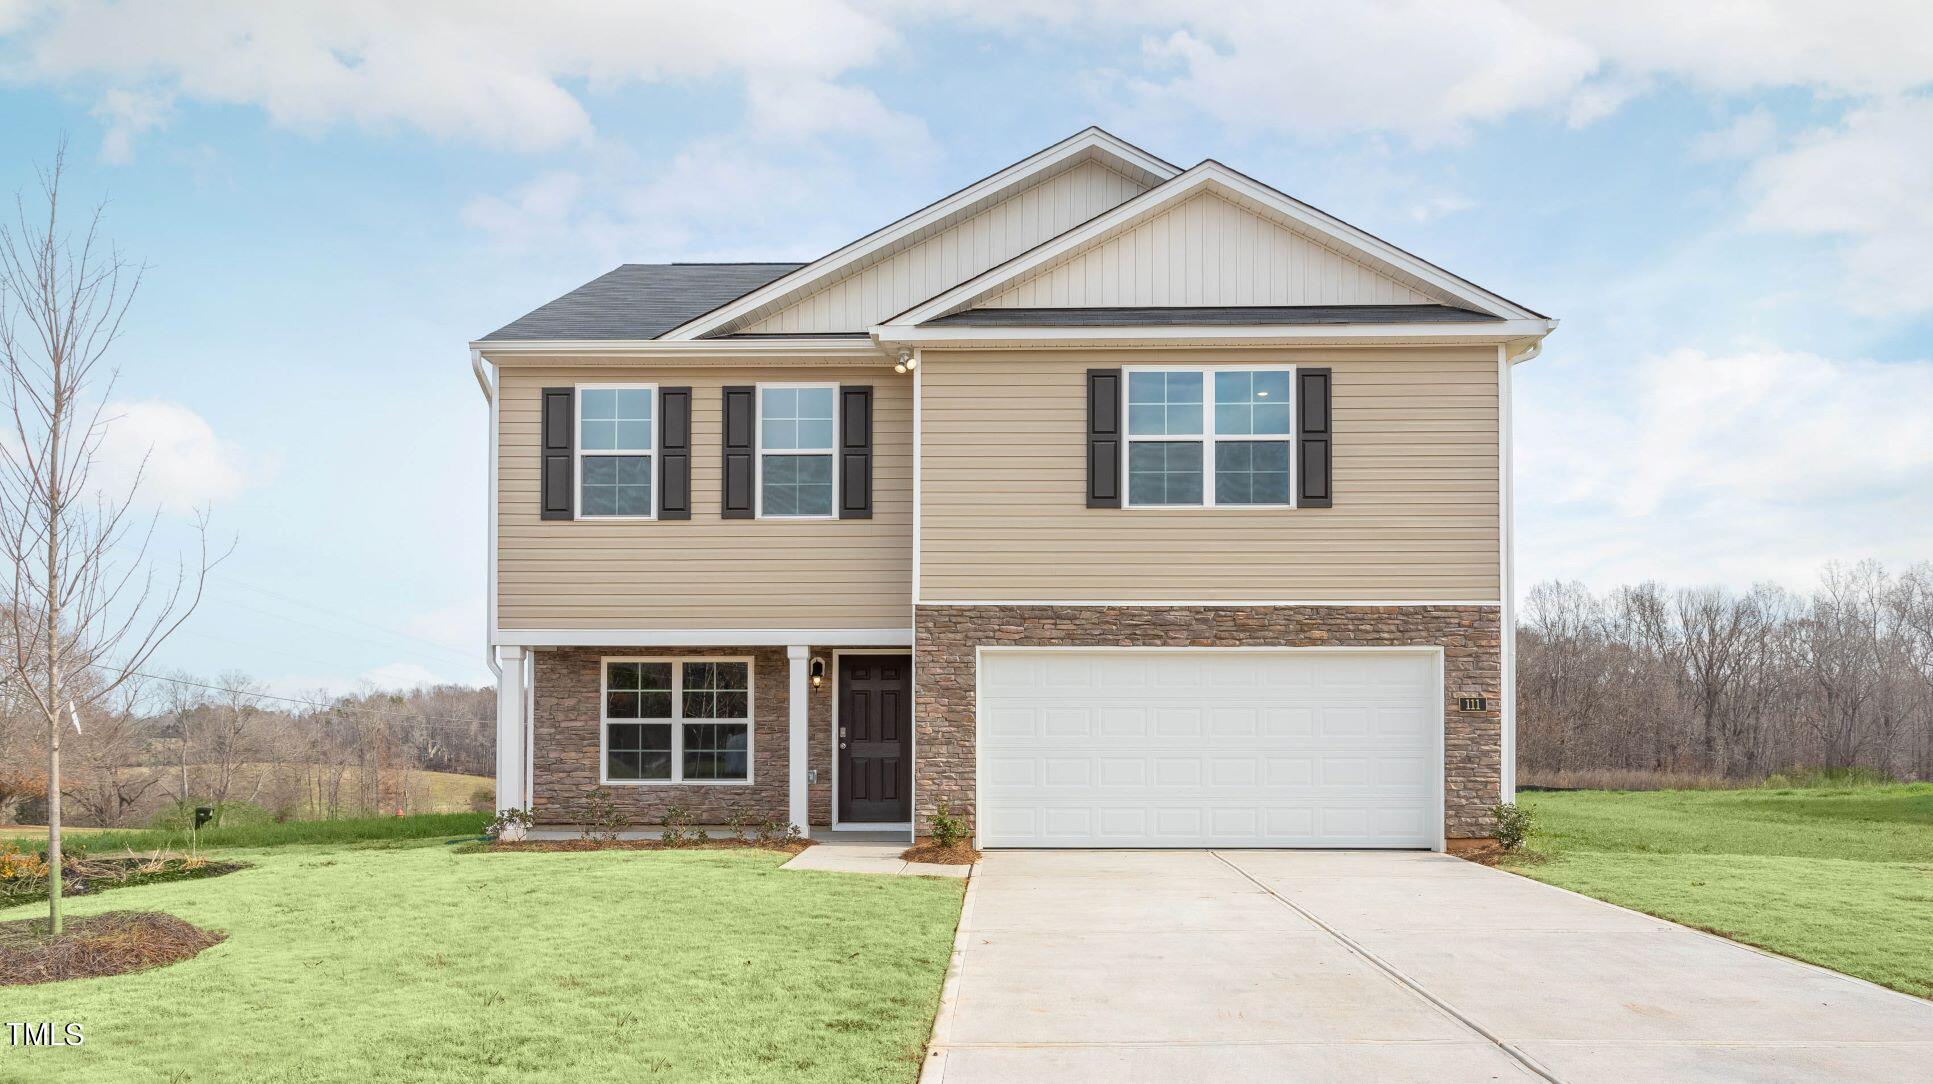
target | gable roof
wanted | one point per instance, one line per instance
(639, 301)
(736, 314)
(1309, 222)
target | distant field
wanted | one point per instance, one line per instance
(1839, 876)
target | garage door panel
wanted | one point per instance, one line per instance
(1246, 749)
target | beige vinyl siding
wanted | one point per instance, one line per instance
(706, 572)
(953, 255)
(1003, 513)
(1207, 250)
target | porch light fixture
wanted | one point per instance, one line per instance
(906, 363)
(818, 671)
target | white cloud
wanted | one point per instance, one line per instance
(181, 463)
(128, 114)
(1424, 71)
(721, 198)
(501, 73)
(1749, 135)
(1868, 183)
(1429, 71)
(1697, 467)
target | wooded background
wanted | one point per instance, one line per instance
(1712, 685)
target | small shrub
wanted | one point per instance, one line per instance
(949, 830)
(513, 822)
(772, 830)
(604, 820)
(1514, 824)
(737, 822)
(678, 831)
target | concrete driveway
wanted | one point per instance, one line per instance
(1326, 965)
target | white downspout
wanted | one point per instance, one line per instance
(489, 518)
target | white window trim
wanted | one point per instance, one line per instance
(758, 449)
(677, 721)
(578, 452)
(1208, 437)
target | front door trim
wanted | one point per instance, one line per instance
(832, 739)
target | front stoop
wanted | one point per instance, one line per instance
(841, 856)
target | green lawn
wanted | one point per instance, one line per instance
(1841, 877)
(266, 833)
(406, 961)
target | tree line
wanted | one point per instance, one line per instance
(1733, 685)
(161, 746)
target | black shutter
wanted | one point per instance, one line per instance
(741, 418)
(554, 478)
(674, 453)
(856, 452)
(1313, 450)
(1104, 438)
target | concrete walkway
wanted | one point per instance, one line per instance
(843, 856)
(1388, 966)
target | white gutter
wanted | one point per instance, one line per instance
(854, 346)
(490, 516)
(1485, 333)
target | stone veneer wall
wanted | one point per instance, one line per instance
(944, 639)
(566, 721)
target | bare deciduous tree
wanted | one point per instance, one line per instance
(83, 593)
(1709, 682)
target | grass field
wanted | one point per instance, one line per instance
(406, 961)
(1841, 877)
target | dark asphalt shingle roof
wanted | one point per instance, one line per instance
(640, 301)
(1219, 315)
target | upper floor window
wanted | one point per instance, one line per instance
(795, 433)
(1208, 437)
(616, 441)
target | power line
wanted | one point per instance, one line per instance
(417, 717)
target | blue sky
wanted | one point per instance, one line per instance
(1729, 207)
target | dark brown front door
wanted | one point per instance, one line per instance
(875, 738)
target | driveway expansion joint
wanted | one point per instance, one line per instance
(1396, 973)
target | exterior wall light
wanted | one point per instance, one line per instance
(906, 363)
(818, 672)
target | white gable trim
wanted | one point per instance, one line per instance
(1209, 175)
(1091, 142)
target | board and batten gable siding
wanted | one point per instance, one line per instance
(704, 572)
(1003, 514)
(958, 253)
(1207, 250)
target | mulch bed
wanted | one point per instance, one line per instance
(111, 944)
(87, 875)
(960, 854)
(507, 847)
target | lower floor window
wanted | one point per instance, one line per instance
(674, 721)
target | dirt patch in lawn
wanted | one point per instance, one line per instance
(960, 854)
(111, 944)
(509, 847)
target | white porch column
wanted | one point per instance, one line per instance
(797, 703)
(513, 755)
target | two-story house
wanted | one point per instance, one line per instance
(1105, 502)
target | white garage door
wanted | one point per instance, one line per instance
(1210, 748)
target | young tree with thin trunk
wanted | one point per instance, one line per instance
(83, 595)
